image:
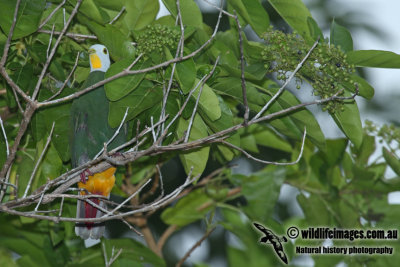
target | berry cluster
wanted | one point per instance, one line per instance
(155, 37)
(326, 69)
(389, 134)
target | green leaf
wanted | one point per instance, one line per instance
(6, 258)
(195, 158)
(115, 5)
(303, 119)
(224, 122)
(364, 88)
(29, 14)
(392, 160)
(191, 14)
(266, 137)
(349, 122)
(253, 13)
(314, 209)
(139, 14)
(208, 102)
(340, 36)
(366, 150)
(120, 87)
(187, 210)
(93, 11)
(261, 191)
(143, 97)
(296, 14)
(133, 252)
(335, 149)
(185, 72)
(249, 143)
(374, 59)
(60, 114)
(315, 30)
(109, 35)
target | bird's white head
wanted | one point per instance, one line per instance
(99, 58)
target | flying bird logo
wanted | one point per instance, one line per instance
(270, 238)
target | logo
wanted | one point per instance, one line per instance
(270, 238)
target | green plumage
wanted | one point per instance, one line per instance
(89, 123)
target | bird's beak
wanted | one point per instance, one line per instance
(92, 51)
(95, 61)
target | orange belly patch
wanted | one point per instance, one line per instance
(99, 183)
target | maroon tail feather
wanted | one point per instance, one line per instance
(90, 211)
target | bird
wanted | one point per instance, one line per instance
(274, 240)
(89, 131)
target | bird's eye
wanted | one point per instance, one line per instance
(105, 51)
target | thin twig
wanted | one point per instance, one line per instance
(243, 81)
(38, 161)
(286, 82)
(115, 134)
(5, 137)
(134, 62)
(51, 15)
(220, 8)
(41, 198)
(50, 41)
(198, 100)
(161, 179)
(197, 244)
(76, 36)
(270, 162)
(103, 246)
(166, 92)
(164, 237)
(179, 17)
(61, 207)
(132, 72)
(193, 114)
(66, 80)
(128, 199)
(53, 51)
(10, 35)
(118, 15)
(114, 257)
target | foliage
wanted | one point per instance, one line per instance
(339, 182)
